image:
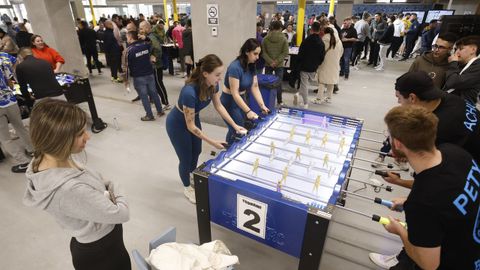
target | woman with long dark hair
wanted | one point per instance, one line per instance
(183, 122)
(240, 78)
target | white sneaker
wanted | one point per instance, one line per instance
(384, 261)
(167, 107)
(379, 159)
(189, 192)
(305, 106)
(318, 101)
(328, 100)
(355, 68)
(295, 99)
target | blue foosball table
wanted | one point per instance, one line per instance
(280, 183)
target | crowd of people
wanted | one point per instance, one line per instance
(435, 129)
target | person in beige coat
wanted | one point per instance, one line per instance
(328, 72)
(7, 44)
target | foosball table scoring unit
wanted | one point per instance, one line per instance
(279, 184)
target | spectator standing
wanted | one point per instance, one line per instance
(427, 37)
(310, 56)
(377, 27)
(463, 74)
(43, 51)
(260, 64)
(328, 71)
(28, 26)
(88, 42)
(348, 35)
(363, 33)
(188, 47)
(289, 33)
(9, 112)
(384, 42)
(23, 37)
(274, 51)
(178, 40)
(398, 33)
(112, 51)
(411, 36)
(139, 66)
(157, 37)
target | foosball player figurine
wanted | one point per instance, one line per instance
(341, 145)
(298, 153)
(324, 140)
(325, 161)
(272, 148)
(292, 133)
(284, 175)
(255, 166)
(279, 186)
(307, 137)
(316, 185)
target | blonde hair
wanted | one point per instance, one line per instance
(54, 125)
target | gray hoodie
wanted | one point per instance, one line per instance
(75, 198)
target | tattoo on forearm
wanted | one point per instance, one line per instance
(190, 119)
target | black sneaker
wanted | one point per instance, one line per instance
(147, 118)
(20, 168)
(136, 99)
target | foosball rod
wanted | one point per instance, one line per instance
(299, 134)
(376, 218)
(316, 128)
(378, 172)
(373, 131)
(373, 151)
(389, 165)
(387, 188)
(378, 200)
(336, 122)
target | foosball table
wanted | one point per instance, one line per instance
(280, 183)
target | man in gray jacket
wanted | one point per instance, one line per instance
(377, 28)
(363, 32)
(274, 51)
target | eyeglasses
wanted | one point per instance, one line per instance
(439, 47)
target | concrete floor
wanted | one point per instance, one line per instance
(139, 156)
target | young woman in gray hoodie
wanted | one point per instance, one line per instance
(81, 202)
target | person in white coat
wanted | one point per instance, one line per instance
(328, 72)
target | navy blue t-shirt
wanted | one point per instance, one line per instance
(235, 70)
(138, 57)
(442, 209)
(189, 97)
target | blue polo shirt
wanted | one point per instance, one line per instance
(189, 97)
(235, 70)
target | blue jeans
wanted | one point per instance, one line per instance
(145, 86)
(187, 146)
(235, 112)
(279, 73)
(345, 61)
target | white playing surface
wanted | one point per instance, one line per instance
(302, 173)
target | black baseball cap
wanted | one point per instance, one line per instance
(420, 84)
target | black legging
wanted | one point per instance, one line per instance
(162, 91)
(107, 253)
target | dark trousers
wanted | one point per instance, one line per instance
(279, 73)
(374, 51)
(396, 43)
(345, 61)
(236, 113)
(162, 91)
(113, 62)
(189, 69)
(89, 54)
(409, 44)
(357, 52)
(107, 253)
(187, 146)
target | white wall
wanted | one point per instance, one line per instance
(237, 19)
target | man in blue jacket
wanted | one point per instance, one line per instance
(139, 65)
(411, 37)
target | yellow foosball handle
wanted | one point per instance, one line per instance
(386, 221)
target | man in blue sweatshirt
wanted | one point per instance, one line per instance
(139, 66)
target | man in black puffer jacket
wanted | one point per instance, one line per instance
(310, 56)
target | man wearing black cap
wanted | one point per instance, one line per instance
(457, 124)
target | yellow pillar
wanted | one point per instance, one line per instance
(165, 12)
(93, 13)
(300, 20)
(331, 9)
(175, 12)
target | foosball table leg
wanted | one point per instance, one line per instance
(313, 241)
(203, 207)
